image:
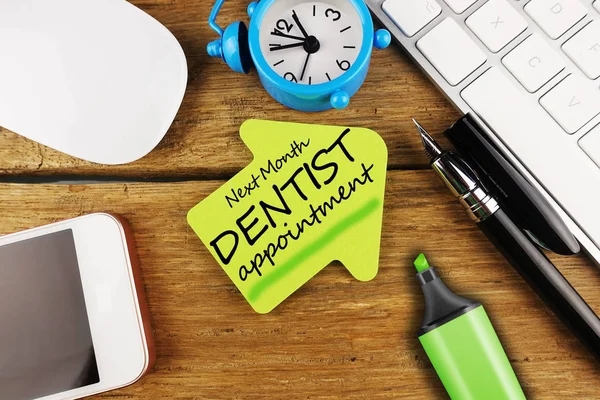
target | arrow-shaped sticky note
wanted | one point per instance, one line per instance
(313, 194)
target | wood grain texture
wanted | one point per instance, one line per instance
(204, 141)
(335, 337)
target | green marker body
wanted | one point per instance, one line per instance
(461, 343)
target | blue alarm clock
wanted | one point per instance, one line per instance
(310, 55)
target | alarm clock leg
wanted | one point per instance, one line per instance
(382, 39)
(340, 99)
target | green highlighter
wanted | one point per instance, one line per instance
(461, 343)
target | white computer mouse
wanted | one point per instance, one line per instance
(99, 80)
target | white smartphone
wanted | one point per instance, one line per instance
(73, 317)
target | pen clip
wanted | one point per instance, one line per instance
(518, 197)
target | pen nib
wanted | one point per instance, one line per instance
(432, 149)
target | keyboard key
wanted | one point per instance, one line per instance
(584, 49)
(460, 6)
(572, 103)
(451, 51)
(533, 63)
(411, 15)
(590, 143)
(496, 24)
(557, 16)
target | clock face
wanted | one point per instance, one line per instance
(311, 42)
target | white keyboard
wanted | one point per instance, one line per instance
(530, 71)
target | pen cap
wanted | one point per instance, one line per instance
(461, 343)
(517, 196)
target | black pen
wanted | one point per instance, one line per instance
(514, 244)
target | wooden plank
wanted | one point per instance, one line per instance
(204, 141)
(336, 337)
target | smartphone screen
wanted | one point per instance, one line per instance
(45, 340)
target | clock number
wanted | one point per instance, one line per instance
(283, 24)
(344, 64)
(330, 12)
(290, 77)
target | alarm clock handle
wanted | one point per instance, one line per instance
(212, 19)
(232, 44)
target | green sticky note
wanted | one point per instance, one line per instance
(313, 194)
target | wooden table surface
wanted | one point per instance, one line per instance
(336, 337)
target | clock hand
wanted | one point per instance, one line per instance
(287, 46)
(279, 33)
(295, 18)
(304, 68)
